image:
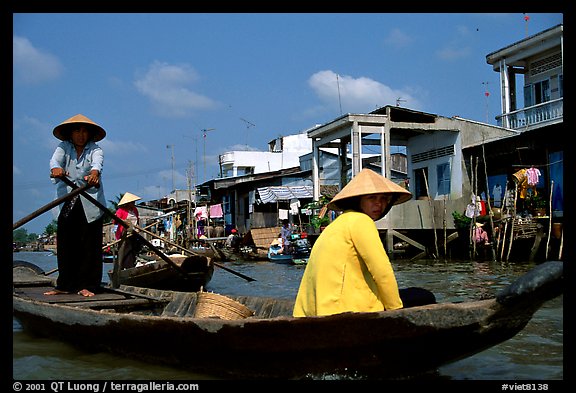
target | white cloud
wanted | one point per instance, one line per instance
(398, 38)
(453, 53)
(31, 65)
(112, 146)
(15, 170)
(458, 48)
(357, 95)
(167, 88)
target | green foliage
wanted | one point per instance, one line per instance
(21, 235)
(536, 202)
(318, 222)
(461, 221)
(51, 228)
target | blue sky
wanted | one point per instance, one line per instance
(155, 81)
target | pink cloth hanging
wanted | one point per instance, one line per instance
(216, 211)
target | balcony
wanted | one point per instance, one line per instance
(535, 116)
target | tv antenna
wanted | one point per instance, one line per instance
(204, 131)
(399, 100)
(338, 85)
(486, 94)
(248, 125)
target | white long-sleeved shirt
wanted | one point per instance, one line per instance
(91, 158)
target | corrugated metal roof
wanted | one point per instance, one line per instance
(284, 193)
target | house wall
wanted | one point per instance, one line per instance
(329, 169)
(284, 152)
(432, 142)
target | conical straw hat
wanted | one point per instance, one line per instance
(127, 198)
(97, 131)
(369, 182)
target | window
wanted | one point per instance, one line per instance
(443, 176)
(541, 91)
(537, 93)
(420, 178)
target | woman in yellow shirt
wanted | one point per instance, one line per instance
(348, 268)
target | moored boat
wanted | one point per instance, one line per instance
(188, 273)
(296, 253)
(271, 343)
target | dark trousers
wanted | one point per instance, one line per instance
(129, 247)
(414, 296)
(79, 251)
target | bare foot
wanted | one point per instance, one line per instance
(85, 293)
(55, 292)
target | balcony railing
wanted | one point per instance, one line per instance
(533, 115)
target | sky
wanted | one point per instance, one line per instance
(174, 91)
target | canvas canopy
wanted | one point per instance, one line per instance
(284, 193)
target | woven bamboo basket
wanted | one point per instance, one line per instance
(213, 305)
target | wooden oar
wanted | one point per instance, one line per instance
(49, 206)
(119, 240)
(126, 225)
(150, 245)
(193, 253)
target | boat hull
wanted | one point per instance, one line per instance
(195, 273)
(159, 326)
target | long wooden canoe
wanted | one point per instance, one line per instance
(195, 272)
(161, 326)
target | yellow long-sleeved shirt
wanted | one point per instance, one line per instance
(348, 270)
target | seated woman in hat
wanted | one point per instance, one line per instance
(348, 268)
(129, 246)
(479, 235)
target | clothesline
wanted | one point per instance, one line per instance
(536, 166)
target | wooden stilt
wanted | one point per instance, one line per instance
(431, 214)
(414, 243)
(561, 245)
(444, 226)
(513, 219)
(489, 205)
(550, 219)
(504, 240)
(502, 213)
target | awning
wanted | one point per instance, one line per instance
(284, 193)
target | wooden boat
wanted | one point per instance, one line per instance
(190, 274)
(275, 254)
(162, 326)
(300, 251)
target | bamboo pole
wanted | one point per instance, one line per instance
(550, 218)
(502, 213)
(489, 205)
(561, 245)
(473, 222)
(193, 253)
(444, 224)
(129, 234)
(504, 240)
(127, 225)
(431, 213)
(513, 219)
(49, 206)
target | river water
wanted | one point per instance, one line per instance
(535, 354)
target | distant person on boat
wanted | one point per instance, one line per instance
(130, 245)
(348, 268)
(80, 222)
(285, 233)
(479, 235)
(233, 240)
